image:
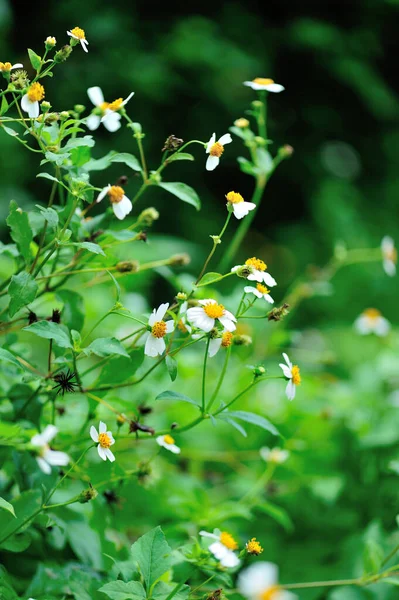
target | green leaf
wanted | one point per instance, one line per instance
(85, 542)
(86, 140)
(183, 192)
(21, 232)
(73, 313)
(7, 506)
(171, 395)
(209, 278)
(162, 591)
(373, 556)
(48, 176)
(51, 331)
(106, 347)
(171, 365)
(121, 369)
(22, 290)
(113, 157)
(90, 246)
(127, 159)
(4, 106)
(25, 506)
(9, 357)
(35, 59)
(179, 156)
(10, 131)
(278, 514)
(246, 166)
(122, 590)
(226, 418)
(264, 160)
(50, 215)
(152, 554)
(252, 418)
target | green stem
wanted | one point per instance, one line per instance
(216, 242)
(67, 473)
(221, 379)
(204, 375)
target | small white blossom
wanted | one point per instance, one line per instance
(215, 150)
(262, 83)
(260, 581)
(238, 205)
(78, 34)
(112, 123)
(121, 205)
(223, 547)
(30, 100)
(372, 321)
(154, 339)
(291, 372)
(260, 291)
(389, 255)
(204, 316)
(105, 439)
(274, 455)
(255, 269)
(46, 457)
(166, 441)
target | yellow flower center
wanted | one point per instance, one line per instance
(263, 81)
(274, 455)
(116, 104)
(227, 339)
(262, 288)
(234, 197)
(216, 150)
(104, 440)
(36, 92)
(271, 593)
(159, 330)
(227, 540)
(214, 311)
(253, 547)
(5, 66)
(390, 254)
(256, 263)
(372, 313)
(168, 439)
(79, 33)
(116, 194)
(296, 377)
(104, 106)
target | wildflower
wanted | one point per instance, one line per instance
(372, 321)
(78, 34)
(389, 255)
(223, 547)
(242, 123)
(236, 203)
(7, 67)
(221, 341)
(113, 108)
(204, 316)
(166, 441)
(253, 547)
(291, 372)
(30, 101)
(46, 457)
(262, 83)
(274, 455)
(259, 582)
(50, 42)
(260, 291)
(112, 123)
(121, 205)
(154, 339)
(215, 150)
(105, 439)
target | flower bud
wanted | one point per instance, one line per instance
(286, 151)
(79, 108)
(20, 79)
(260, 141)
(258, 371)
(180, 260)
(63, 54)
(241, 123)
(87, 495)
(243, 271)
(64, 114)
(45, 106)
(50, 42)
(278, 313)
(148, 216)
(128, 266)
(51, 118)
(181, 297)
(242, 340)
(257, 104)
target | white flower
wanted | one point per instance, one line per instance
(255, 270)
(154, 339)
(389, 255)
(7, 67)
(223, 547)
(48, 458)
(260, 582)
(112, 123)
(166, 441)
(204, 316)
(78, 34)
(121, 205)
(215, 150)
(238, 205)
(105, 439)
(372, 321)
(260, 291)
(224, 340)
(261, 83)
(274, 455)
(291, 372)
(30, 101)
(112, 109)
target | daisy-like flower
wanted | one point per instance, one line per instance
(112, 109)
(166, 441)
(274, 455)
(258, 271)
(7, 67)
(78, 34)
(215, 150)
(30, 101)
(105, 439)
(253, 547)
(260, 582)
(121, 205)
(223, 547)
(205, 315)
(237, 204)
(112, 123)
(389, 255)
(154, 339)
(48, 458)
(372, 321)
(260, 291)
(224, 341)
(291, 372)
(264, 84)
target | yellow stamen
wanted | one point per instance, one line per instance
(234, 197)
(271, 593)
(216, 150)
(36, 92)
(78, 33)
(227, 540)
(227, 339)
(263, 81)
(168, 439)
(254, 547)
(262, 288)
(115, 194)
(104, 105)
(116, 104)
(214, 311)
(372, 313)
(256, 263)
(104, 440)
(5, 66)
(390, 254)
(296, 377)
(159, 329)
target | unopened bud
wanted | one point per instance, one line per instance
(63, 54)
(180, 260)
(148, 216)
(242, 340)
(257, 104)
(45, 106)
(243, 271)
(79, 108)
(181, 297)
(128, 266)
(286, 151)
(258, 371)
(278, 313)
(20, 79)
(241, 123)
(64, 114)
(51, 118)
(215, 595)
(87, 495)
(260, 141)
(50, 42)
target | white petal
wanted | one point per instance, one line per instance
(38, 440)
(49, 433)
(286, 370)
(109, 455)
(93, 122)
(268, 279)
(17, 66)
(251, 290)
(218, 550)
(207, 301)
(25, 102)
(71, 35)
(101, 452)
(227, 323)
(126, 100)
(161, 311)
(94, 434)
(382, 327)
(45, 467)
(236, 268)
(290, 390)
(210, 535)
(214, 346)
(112, 122)
(229, 315)
(268, 298)
(60, 459)
(212, 163)
(160, 440)
(389, 267)
(200, 319)
(275, 88)
(154, 346)
(84, 44)
(249, 84)
(363, 325)
(103, 193)
(96, 95)
(225, 139)
(240, 210)
(170, 325)
(287, 360)
(33, 110)
(173, 448)
(255, 276)
(265, 453)
(102, 427)
(230, 560)
(257, 578)
(121, 209)
(211, 142)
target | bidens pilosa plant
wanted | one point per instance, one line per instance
(61, 382)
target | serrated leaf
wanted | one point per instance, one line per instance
(163, 590)
(21, 232)
(25, 506)
(183, 192)
(252, 418)
(50, 331)
(50, 215)
(152, 554)
(209, 278)
(22, 291)
(35, 59)
(122, 590)
(171, 395)
(106, 347)
(77, 142)
(171, 365)
(179, 156)
(7, 506)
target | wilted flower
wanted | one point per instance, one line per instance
(204, 316)
(78, 34)
(238, 205)
(121, 205)
(291, 372)
(223, 547)
(30, 101)
(372, 321)
(154, 339)
(166, 441)
(389, 255)
(46, 457)
(260, 582)
(105, 439)
(215, 150)
(112, 123)
(262, 83)
(274, 455)
(260, 291)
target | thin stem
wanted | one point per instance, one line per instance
(67, 473)
(216, 242)
(204, 375)
(221, 379)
